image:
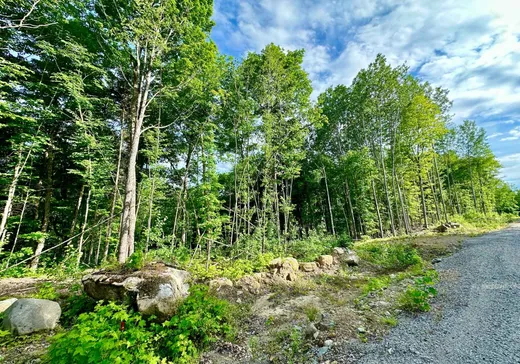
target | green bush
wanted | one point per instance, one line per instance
(416, 298)
(99, 336)
(392, 256)
(309, 249)
(201, 319)
(74, 306)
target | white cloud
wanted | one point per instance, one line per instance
(492, 136)
(515, 134)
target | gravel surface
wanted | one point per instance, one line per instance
(476, 316)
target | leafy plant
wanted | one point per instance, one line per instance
(47, 291)
(99, 337)
(416, 298)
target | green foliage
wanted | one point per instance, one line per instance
(47, 291)
(96, 337)
(391, 256)
(312, 312)
(416, 298)
(135, 261)
(74, 306)
(375, 284)
(309, 249)
(201, 319)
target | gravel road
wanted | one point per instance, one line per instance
(476, 316)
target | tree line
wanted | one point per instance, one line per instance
(123, 129)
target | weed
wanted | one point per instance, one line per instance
(416, 298)
(312, 312)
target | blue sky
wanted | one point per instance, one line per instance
(470, 47)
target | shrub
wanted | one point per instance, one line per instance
(200, 320)
(99, 337)
(392, 256)
(416, 298)
(112, 334)
(74, 306)
(309, 249)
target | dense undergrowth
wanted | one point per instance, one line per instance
(113, 333)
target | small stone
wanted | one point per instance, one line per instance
(311, 330)
(361, 330)
(323, 350)
(239, 300)
(5, 304)
(329, 343)
(390, 351)
(436, 260)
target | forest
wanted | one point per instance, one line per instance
(125, 133)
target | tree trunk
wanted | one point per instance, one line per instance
(47, 209)
(83, 227)
(443, 203)
(423, 200)
(381, 232)
(76, 213)
(18, 169)
(22, 213)
(114, 196)
(328, 201)
(355, 233)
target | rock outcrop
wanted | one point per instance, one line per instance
(154, 290)
(326, 261)
(28, 315)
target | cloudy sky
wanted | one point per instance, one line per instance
(471, 47)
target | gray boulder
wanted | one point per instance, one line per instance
(154, 290)
(5, 304)
(28, 315)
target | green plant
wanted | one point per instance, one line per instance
(200, 320)
(47, 291)
(416, 298)
(375, 284)
(312, 312)
(100, 337)
(390, 321)
(74, 306)
(135, 261)
(391, 256)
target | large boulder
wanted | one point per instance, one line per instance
(154, 290)
(28, 315)
(5, 304)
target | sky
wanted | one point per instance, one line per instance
(471, 47)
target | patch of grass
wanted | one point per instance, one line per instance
(375, 284)
(312, 312)
(389, 256)
(389, 321)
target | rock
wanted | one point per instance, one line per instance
(28, 315)
(338, 252)
(390, 351)
(352, 259)
(155, 290)
(285, 268)
(5, 304)
(325, 261)
(249, 284)
(220, 283)
(328, 343)
(309, 267)
(311, 331)
(436, 260)
(361, 330)
(322, 351)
